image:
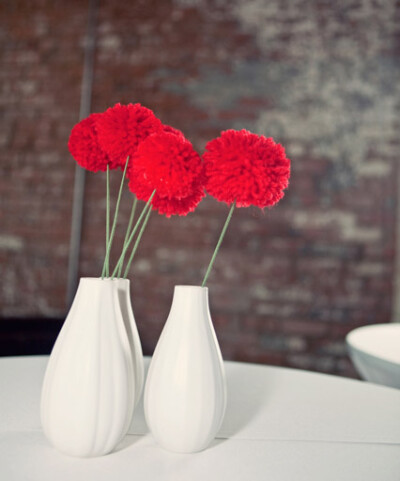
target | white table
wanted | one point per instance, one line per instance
(280, 424)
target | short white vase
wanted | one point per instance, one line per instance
(185, 391)
(88, 393)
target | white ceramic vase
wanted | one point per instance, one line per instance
(185, 391)
(133, 335)
(89, 390)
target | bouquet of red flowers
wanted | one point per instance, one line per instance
(185, 393)
(163, 169)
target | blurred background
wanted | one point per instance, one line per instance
(321, 77)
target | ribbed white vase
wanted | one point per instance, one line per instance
(88, 392)
(185, 391)
(133, 335)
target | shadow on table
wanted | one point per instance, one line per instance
(246, 398)
(248, 392)
(128, 441)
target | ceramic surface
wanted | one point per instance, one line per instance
(133, 335)
(375, 352)
(88, 392)
(185, 391)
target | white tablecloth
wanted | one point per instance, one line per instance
(280, 424)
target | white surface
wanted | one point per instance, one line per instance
(28, 457)
(185, 392)
(282, 425)
(375, 352)
(88, 393)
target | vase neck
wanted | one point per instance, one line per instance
(189, 299)
(190, 292)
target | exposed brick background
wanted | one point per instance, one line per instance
(321, 77)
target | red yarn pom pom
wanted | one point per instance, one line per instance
(172, 130)
(121, 128)
(176, 206)
(84, 145)
(167, 163)
(249, 168)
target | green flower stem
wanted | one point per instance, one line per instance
(106, 267)
(126, 246)
(107, 259)
(221, 237)
(146, 219)
(128, 231)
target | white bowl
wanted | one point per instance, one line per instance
(375, 352)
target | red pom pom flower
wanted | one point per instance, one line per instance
(167, 163)
(244, 169)
(176, 206)
(247, 168)
(121, 128)
(172, 130)
(84, 146)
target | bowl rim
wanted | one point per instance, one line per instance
(349, 339)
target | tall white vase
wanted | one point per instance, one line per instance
(88, 392)
(133, 335)
(185, 391)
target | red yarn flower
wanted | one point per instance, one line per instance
(175, 206)
(172, 130)
(84, 146)
(249, 168)
(121, 128)
(167, 163)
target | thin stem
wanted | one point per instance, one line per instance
(105, 271)
(221, 237)
(128, 231)
(107, 259)
(126, 246)
(137, 243)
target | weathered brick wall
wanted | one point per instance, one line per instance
(41, 67)
(321, 77)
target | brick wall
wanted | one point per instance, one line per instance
(321, 77)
